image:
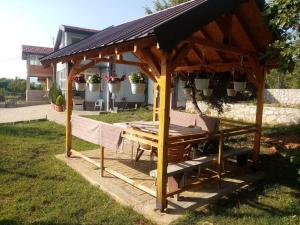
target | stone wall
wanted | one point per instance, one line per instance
(247, 112)
(283, 96)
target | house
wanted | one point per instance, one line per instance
(68, 35)
(32, 55)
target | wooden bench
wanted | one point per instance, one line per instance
(186, 166)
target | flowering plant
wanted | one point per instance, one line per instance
(79, 79)
(114, 78)
(94, 79)
(137, 78)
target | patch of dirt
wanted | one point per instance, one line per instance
(287, 141)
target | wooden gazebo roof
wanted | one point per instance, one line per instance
(200, 34)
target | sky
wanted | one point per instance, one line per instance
(36, 22)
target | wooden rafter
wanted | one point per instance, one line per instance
(199, 55)
(148, 57)
(223, 48)
(208, 37)
(246, 31)
(181, 54)
(217, 67)
(225, 26)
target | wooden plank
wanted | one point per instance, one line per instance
(140, 140)
(117, 174)
(221, 47)
(259, 112)
(164, 121)
(69, 106)
(133, 131)
(220, 158)
(101, 161)
(155, 101)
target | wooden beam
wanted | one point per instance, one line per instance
(181, 54)
(199, 55)
(208, 37)
(259, 112)
(148, 73)
(69, 106)
(101, 161)
(225, 26)
(246, 30)
(164, 120)
(223, 48)
(104, 51)
(116, 61)
(213, 66)
(147, 56)
(155, 101)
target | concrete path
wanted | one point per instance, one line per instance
(10, 115)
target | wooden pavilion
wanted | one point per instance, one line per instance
(206, 35)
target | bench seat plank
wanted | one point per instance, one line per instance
(188, 165)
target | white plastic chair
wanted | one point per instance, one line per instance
(99, 104)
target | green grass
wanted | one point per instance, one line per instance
(36, 188)
(124, 116)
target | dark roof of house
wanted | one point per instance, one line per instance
(68, 28)
(37, 50)
(169, 26)
(72, 29)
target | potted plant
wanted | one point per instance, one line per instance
(79, 82)
(137, 81)
(230, 90)
(59, 104)
(94, 83)
(202, 81)
(239, 82)
(114, 83)
(54, 92)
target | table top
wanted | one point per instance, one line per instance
(153, 127)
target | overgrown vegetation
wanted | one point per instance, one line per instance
(54, 92)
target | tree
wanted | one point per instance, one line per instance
(283, 17)
(159, 5)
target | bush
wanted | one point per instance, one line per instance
(54, 92)
(59, 100)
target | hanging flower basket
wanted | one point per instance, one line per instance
(239, 82)
(94, 83)
(114, 88)
(201, 81)
(239, 86)
(231, 92)
(79, 82)
(207, 92)
(187, 91)
(137, 81)
(138, 88)
(114, 83)
(95, 87)
(79, 86)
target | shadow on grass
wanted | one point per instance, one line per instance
(280, 174)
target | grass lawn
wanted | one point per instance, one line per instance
(126, 116)
(35, 188)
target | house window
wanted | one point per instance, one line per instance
(61, 79)
(75, 39)
(34, 60)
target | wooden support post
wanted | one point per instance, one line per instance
(101, 161)
(69, 107)
(68, 116)
(164, 120)
(155, 101)
(259, 111)
(220, 158)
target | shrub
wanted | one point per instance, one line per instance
(59, 100)
(54, 92)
